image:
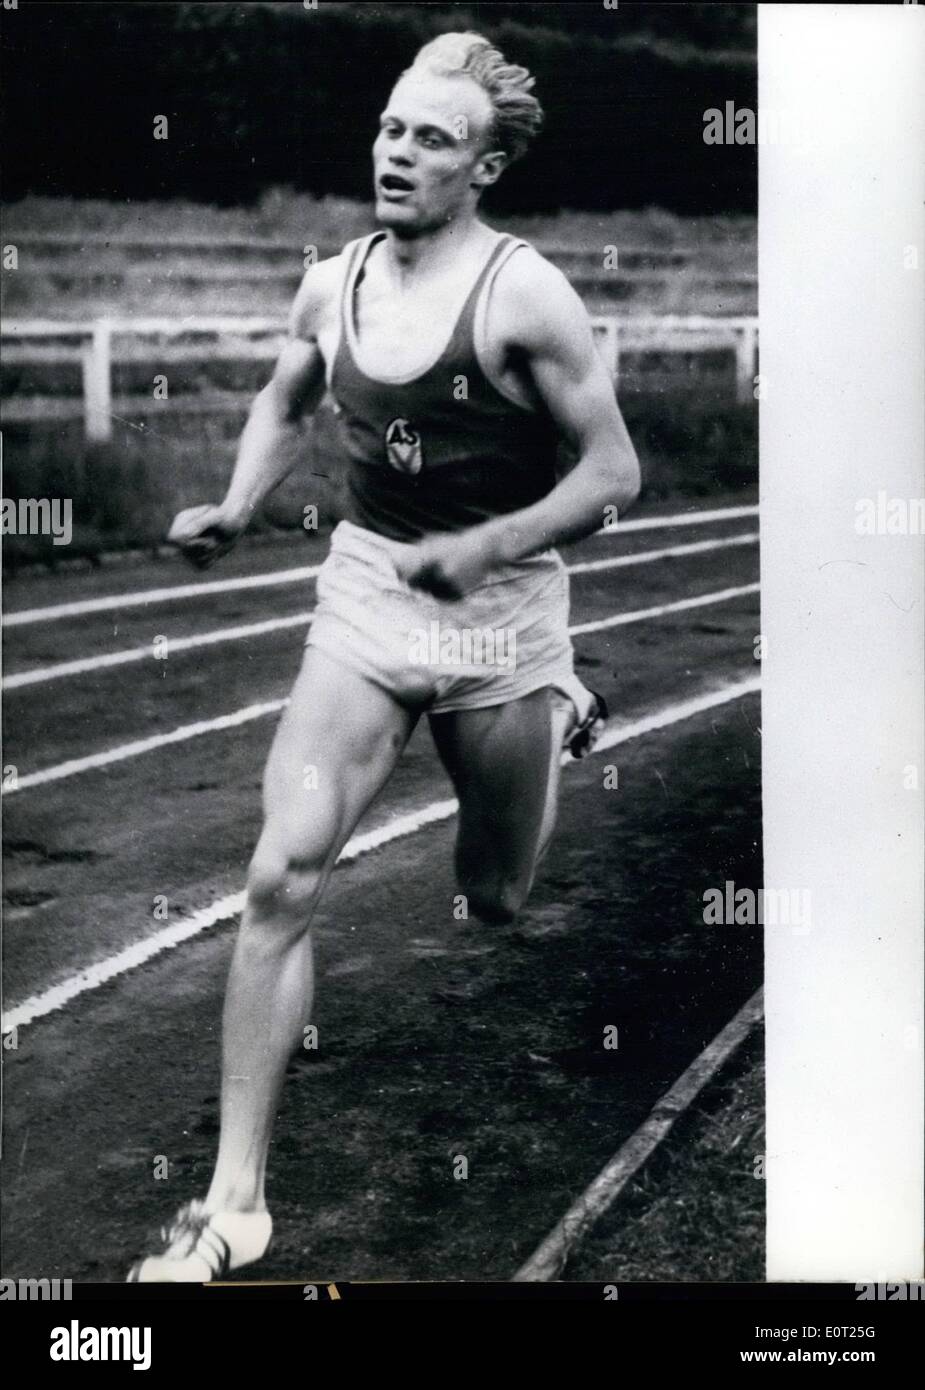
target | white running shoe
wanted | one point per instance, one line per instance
(200, 1246)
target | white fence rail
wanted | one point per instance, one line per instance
(27, 341)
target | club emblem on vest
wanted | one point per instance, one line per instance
(403, 446)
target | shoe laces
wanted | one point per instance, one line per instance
(184, 1231)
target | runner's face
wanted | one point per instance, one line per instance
(432, 153)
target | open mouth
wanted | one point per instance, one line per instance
(394, 183)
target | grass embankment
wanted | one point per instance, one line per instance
(696, 1211)
(282, 214)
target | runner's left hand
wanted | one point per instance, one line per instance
(445, 566)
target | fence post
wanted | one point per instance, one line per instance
(97, 382)
(745, 362)
(608, 344)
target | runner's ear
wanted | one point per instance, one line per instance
(489, 168)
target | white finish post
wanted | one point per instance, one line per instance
(745, 362)
(97, 382)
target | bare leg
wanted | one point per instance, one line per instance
(335, 747)
(504, 763)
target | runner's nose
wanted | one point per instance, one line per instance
(400, 151)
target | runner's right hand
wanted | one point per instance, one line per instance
(203, 534)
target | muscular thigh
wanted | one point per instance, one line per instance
(504, 764)
(336, 744)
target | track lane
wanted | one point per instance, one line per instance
(257, 557)
(438, 1039)
(107, 707)
(99, 642)
(407, 821)
(182, 822)
(422, 1018)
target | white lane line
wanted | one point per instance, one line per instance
(242, 716)
(644, 557)
(679, 606)
(621, 731)
(550, 1256)
(144, 745)
(174, 644)
(93, 976)
(654, 523)
(109, 602)
(83, 665)
(106, 604)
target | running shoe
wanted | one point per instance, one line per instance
(200, 1246)
(581, 737)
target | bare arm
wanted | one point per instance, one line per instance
(554, 330)
(275, 429)
(273, 436)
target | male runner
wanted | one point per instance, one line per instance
(456, 358)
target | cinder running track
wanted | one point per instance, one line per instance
(138, 795)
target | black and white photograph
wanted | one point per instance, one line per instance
(387, 893)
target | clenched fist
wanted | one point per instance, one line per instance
(446, 566)
(203, 534)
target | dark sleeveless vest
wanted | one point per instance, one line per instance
(445, 449)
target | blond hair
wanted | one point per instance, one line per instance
(517, 115)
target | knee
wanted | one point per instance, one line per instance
(495, 901)
(282, 890)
